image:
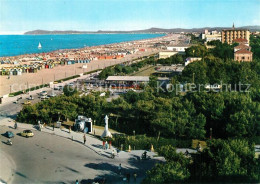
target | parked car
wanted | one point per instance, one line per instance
(44, 97)
(52, 95)
(56, 88)
(43, 93)
(27, 133)
(9, 134)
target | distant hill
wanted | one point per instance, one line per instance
(151, 30)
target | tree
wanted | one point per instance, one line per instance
(174, 170)
(69, 91)
(227, 160)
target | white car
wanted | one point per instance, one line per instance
(44, 97)
(43, 93)
(52, 95)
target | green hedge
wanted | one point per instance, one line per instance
(68, 78)
(142, 142)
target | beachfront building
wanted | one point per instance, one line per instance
(180, 48)
(229, 35)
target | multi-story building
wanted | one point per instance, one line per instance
(228, 35)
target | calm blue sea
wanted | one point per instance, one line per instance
(12, 45)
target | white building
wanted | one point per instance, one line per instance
(191, 59)
(180, 48)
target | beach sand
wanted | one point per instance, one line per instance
(45, 76)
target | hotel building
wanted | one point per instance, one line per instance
(228, 35)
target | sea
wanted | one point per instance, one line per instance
(13, 45)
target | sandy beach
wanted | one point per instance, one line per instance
(45, 76)
(141, 48)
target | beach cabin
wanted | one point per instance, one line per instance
(7, 72)
(14, 71)
(69, 62)
(19, 71)
(62, 62)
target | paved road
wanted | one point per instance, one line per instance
(48, 158)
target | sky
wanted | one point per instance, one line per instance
(19, 16)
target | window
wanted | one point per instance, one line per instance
(243, 57)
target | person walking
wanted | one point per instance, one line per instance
(128, 177)
(135, 176)
(84, 138)
(119, 168)
(103, 144)
(106, 145)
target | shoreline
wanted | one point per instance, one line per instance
(84, 47)
(21, 82)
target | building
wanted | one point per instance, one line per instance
(242, 46)
(210, 36)
(166, 54)
(126, 82)
(228, 35)
(180, 48)
(243, 55)
(241, 41)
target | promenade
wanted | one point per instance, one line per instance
(61, 158)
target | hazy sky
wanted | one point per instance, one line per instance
(17, 16)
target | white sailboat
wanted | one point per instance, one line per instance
(39, 46)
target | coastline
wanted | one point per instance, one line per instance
(84, 47)
(45, 76)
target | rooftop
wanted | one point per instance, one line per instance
(240, 40)
(242, 46)
(243, 51)
(128, 78)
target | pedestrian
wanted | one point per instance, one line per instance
(53, 126)
(128, 177)
(119, 169)
(135, 176)
(77, 181)
(84, 138)
(106, 145)
(103, 144)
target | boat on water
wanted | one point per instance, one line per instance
(39, 46)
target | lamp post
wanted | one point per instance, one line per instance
(134, 133)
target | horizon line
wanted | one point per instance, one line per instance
(96, 31)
